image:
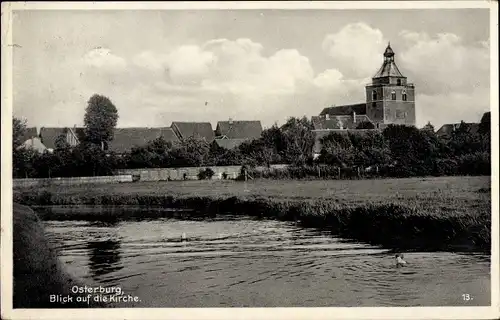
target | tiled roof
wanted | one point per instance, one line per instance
(194, 129)
(229, 143)
(447, 129)
(127, 138)
(334, 122)
(239, 129)
(50, 135)
(359, 108)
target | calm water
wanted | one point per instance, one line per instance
(257, 263)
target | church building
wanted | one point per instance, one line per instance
(390, 99)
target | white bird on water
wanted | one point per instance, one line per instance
(399, 260)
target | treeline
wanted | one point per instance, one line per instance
(397, 150)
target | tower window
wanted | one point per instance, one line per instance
(404, 96)
(399, 82)
(393, 95)
(374, 95)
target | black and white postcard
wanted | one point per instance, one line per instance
(250, 160)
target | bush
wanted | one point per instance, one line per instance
(206, 174)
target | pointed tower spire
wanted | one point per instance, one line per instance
(389, 68)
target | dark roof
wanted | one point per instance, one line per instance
(334, 122)
(447, 129)
(229, 143)
(28, 134)
(126, 138)
(239, 129)
(49, 136)
(389, 67)
(359, 108)
(194, 129)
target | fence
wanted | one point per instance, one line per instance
(187, 173)
(33, 182)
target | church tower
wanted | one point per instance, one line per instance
(390, 99)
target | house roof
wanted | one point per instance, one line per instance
(359, 108)
(239, 129)
(389, 67)
(194, 129)
(127, 138)
(447, 129)
(49, 136)
(229, 143)
(335, 122)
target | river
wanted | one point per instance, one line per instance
(246, 262)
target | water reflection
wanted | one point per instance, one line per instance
(104, 257)
(250, 263)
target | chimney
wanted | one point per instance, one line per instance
(327, 116)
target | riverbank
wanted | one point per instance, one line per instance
(452, 213)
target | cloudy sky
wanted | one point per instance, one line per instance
(207, 65)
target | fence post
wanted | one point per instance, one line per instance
(319, 172)
(358, 173)
(246, 175)
(339, 172)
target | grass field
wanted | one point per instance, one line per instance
(407, 212)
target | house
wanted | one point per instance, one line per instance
(126, 138)
(446, 130)
(49, 136)
(184, 130)
(230, 134)
(34, 143)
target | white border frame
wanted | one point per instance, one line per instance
(237, 313)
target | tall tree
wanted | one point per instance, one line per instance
(18, 129)
(299, 140)
(100, 120)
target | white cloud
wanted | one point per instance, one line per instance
(443, 64)
(224, 78)
(356, 49)
(102, 58)
(452, 78)
(451, 108)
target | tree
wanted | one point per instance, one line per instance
(429, 127)
(61, 142)
(298, 139)
(18, 130)
(191, 152)
(365, 125)
(100, 120)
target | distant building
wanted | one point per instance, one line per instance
(390, 99)
(230, 134)
(125, 139)
(185, 130)
(49, 136)
(447, 130)
(33, 143)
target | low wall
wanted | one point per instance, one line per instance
(162, 174)
(32, 182)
